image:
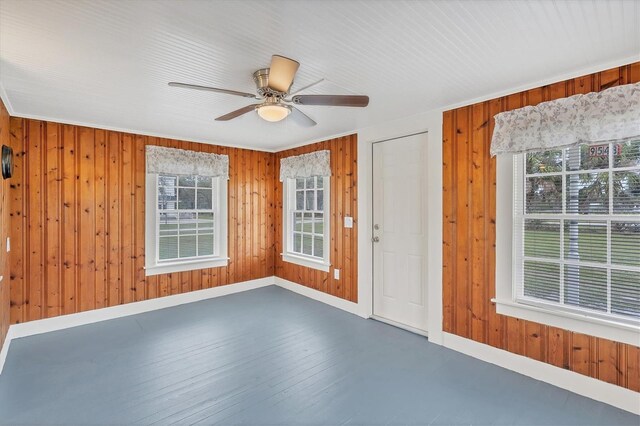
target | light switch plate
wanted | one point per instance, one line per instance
(348, 222)
(8, 244)
(336, 274)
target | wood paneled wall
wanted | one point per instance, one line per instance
(4, 232)
(77, 220)
(344, 202)
(469, 238)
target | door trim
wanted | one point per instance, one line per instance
(371, 217)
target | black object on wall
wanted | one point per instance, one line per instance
(7, 161)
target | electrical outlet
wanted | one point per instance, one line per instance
(336, 274)
(348, 222)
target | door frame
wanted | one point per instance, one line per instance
(425, 241)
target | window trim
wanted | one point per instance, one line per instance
(154, 266)
(505, 300)
(288, 186)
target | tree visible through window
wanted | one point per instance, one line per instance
(578, 222)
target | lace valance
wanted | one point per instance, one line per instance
(612, 115)
(313, 164)
(161, 159)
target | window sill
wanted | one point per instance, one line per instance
(598, 327)
(309, 263)
(191, 265)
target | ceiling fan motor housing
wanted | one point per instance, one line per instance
(261, 78)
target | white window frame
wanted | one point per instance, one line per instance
(507, 245)
(288, 202)
(155, 266)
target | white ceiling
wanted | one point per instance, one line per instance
(107, 63)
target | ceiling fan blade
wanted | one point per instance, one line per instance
(281, 73)
(212, 89)
(332, 100)
(301, 118)
(236, 113)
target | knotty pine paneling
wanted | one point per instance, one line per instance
(4, 232)
(343, 246)
(469, 238)
(77, 220)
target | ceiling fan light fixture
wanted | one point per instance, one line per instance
(274, 113)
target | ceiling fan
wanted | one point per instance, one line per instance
(273, 85)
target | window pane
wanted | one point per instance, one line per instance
(585, 287)
(300, 183)
(320, 182)
(299, 200)
(542, 238)
(320, 200)
(318, 223)
(189, 181)
(188, 223)
(309, 204)
(188, 246)
(625, 293)
(542, 280)
(205, 217)
(297, 242)
(168, 224)
(205, 223)
(166, 180)
(626, 192)
(204, 181)
(168, 248)
(544, 162)
(588, 193)
(307, 241)
(588, 157)
(186, 198)
(308, 223)
(625, 244)
(585, 240)
(167, 192)
(544, 194)
(318, 247)
(205, 245)
(205, 199)
(310, 183)
(626, 154)
(297, 222)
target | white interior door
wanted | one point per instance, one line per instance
(399, 263)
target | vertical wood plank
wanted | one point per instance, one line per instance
(53, 235)
(35, 182)
(100, 209)
(114, 267)
(87, 224)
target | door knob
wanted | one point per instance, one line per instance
(375, 239)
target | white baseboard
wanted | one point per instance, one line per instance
(82, 318)
(328, 299)
(617, 396)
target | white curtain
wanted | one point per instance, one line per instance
(316, 163)
(612, 115)
(161, 159)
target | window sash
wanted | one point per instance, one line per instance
(214, 210)
(291, 206)
(520, 216)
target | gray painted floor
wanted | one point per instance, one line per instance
(268, 356)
